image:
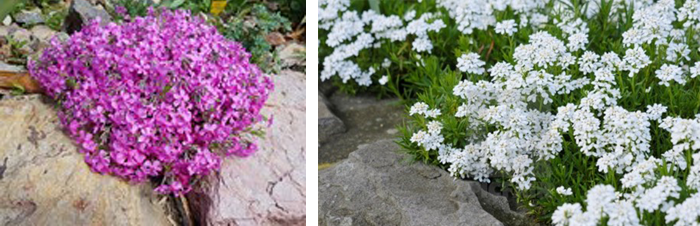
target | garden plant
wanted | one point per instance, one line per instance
(587, 109)
(164, 97)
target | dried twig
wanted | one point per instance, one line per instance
(489, 52)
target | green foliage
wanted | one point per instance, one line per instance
(55, 18)
(133, 8)
(10, 6)
(250, 26)
(247, 22)
(16, 55)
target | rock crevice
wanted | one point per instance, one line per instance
(267, 188)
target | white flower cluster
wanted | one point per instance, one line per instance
(669, 73)
(431, 140)
(544, 50)
(619, 140)
(506, 27)
(471, 63)
(527, 134)
(479, 15)
(622, 208)
(564, 191)
(350, 32)
(654, 22)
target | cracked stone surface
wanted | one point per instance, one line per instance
(269, 187)
(374, 186)
(44, 181)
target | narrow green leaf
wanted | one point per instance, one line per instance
(374, 5)
(7, 6)
(176, 3)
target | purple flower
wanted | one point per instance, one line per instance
(161, 96)
(120, 10)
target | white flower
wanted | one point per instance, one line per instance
(462, 111)
(470, 63)
(676, 50)
(419, 108)
(506, 27)
(422, 45)
(351, 32)
(434, 113)
(611, 61)
(409, 15)
(501, 70)
(383, 80)
(599, 196)
(433, 141)
(577, 41)
(669, 73)
(434, 127)
(693, 180)
(419, 137)
(562, 216)
(622, 213)
(635, 59)
(584, 219)
(652, 198)
(386, 63)
(686, 213)
(695, 70)
(564, 191)
(589, 62)
(655, 111)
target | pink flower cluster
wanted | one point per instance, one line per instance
(162, 97)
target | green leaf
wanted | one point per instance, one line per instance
(71, 83)
(374, 5)
(17, 90)
(176, 3)
(7, 6)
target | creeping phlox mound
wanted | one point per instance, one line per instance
(162, 97)
(588, 108)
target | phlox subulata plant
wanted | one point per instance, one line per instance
(163, 97)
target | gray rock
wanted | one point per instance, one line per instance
(7, 21)
(81, 12)
(29, 17)
(11, 68)
(293, 54)
(43, 34)
(21, 35)
(269, 187)
(25, 36)
(328, 123)
(45, 181)
(4, 31)
(375, 187)
(366, 118)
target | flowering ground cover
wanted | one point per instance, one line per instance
(587, 109)
(162, 97)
